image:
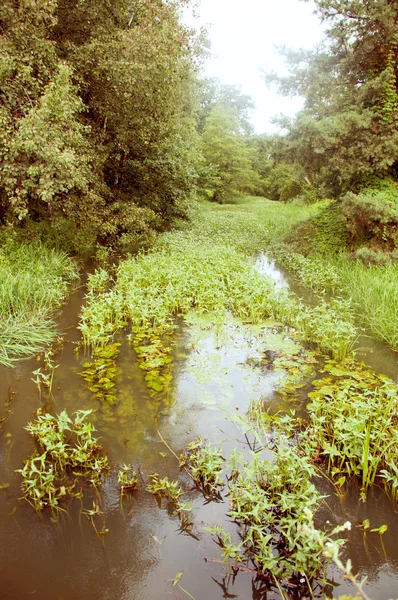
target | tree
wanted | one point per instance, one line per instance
(212, 92)
(348, 130)
(97, 112)
(227, 160)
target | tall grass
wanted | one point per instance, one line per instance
(33, 281)
(374, 293)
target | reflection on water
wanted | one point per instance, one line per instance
(217, 370)
(267, 267)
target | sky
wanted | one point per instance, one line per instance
(244, 36)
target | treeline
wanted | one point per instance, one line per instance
(108, 132)
(346, 137)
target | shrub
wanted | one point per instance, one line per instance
(371, 217)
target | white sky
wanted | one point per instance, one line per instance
(243, 36)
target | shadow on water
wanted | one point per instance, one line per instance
(217, 370)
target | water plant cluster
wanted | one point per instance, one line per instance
(205, 466)
(127, 479)
(353, 426)
(189, 269)
(273, 501)
(33, 282)
(172, 492)
(67, 451)
(102, 372)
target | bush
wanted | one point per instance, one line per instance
(371, 217)
(372, 257)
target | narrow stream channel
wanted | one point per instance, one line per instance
(216, 371)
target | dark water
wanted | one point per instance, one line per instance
(216, 374)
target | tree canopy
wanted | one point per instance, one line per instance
(347, 132)
(97, 111)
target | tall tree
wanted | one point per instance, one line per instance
(348, 130)
(228, 166)
(97, 111)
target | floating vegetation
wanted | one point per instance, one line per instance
(69, 450)
(354, 417)
(101, 374)
(127, 479)
(205, 465)
(187, 270)
(153, 347)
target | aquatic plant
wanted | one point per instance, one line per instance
(188, 270)
(127, 479)
(101, 374)
(205, 465)
(171, 490)
(69, 450)
(353, 426)
(274, 502)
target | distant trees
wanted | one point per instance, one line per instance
(227, 166)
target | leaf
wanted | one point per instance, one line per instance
(382, 529)
(177, 578)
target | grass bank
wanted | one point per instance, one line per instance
(33, 282)
(371, 289)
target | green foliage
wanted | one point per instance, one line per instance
(211, 92)
(284, 182)
(227, 166)
(348, 128)
(97, 117)
(171, 490)
(47, 157)
(353, 423)
(371, 217)
(102, 373)
(69, 449)
(127, 479)
(204, 268)
(205, 465)
(274, 502)
(33, 282)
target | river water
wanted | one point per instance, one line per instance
(216, 371)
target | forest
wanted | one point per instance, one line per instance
(221, 305)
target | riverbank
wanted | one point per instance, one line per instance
(34, 282)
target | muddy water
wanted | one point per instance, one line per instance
(217, 371)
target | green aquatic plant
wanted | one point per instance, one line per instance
(69, 450)
(353, 426)
(274, 501)
(171, 490)
(164, 488)
(205, 465)
(127, 479)
(96, 513)
(191, 270)
(101, 374)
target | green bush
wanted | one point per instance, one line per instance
(371, 217)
